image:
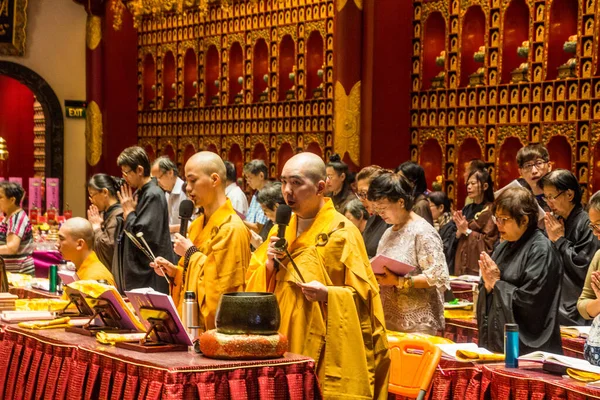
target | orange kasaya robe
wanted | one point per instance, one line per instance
(345, 336)
(92, 269)
(219, 266)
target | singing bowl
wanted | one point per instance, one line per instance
(248, 313)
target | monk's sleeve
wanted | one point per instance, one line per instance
(224, 270)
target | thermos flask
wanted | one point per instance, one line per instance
(52, 278)
(190, 314)
(511, 345)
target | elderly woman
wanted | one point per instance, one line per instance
(356, 212)
(439, 203)
(376, 226)
(521, 280)
(105, 214)
(475, 230)
(16, 236)
(338, 183)
(568, 229)
(416, 175)
(413, 303)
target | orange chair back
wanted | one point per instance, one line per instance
(414, 362)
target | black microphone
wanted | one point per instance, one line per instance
(186, 209)
(282, 219)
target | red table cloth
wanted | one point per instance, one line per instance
(468, 381)
(53, 364)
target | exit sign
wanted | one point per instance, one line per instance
(75, 109)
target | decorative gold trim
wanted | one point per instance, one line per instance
(93, 133)
(17, 45)
(347, 122)
(93, 31)
(342, 3)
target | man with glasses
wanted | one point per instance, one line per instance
(144, 210)
(167, 176)
(568, 229)
(534, 162)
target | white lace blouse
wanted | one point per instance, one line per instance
(416, 310)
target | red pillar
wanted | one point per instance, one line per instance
(386, 68)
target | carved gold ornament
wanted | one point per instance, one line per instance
(93, 31)
(93, 133)
(347, 122)
(12, 27)
(342, 3)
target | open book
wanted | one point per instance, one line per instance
(397, 267)
(569, 362)
(515, 183)
(469, 352)
(575, 331)
(149, 298)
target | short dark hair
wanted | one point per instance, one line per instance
(393, 187)
(356, 209)
(562, 180)
(13, 189)
(519, 203)
(415, 174)
(230, 171)
(134, 157)
(270, 195)
(255, 167)
(99, 182)
(165, 164)
(532, 152)
(340, 167)
(483, 176)
(440, 199)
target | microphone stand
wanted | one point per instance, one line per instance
(281, 245)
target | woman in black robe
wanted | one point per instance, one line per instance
(568, 229)
(521, 280)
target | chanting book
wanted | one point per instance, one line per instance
(564, 361)
(397, 267)
(149, 298)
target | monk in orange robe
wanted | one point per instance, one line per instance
(336, 317)
(75, 243)
(215, 257)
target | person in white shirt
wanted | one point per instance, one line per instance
(238, 198)
(167, 176)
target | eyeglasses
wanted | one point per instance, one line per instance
(500, 220)
(125, 173)
(92, 195)
(361, 195)
(595, 227)
(552, 198)
(538, 165)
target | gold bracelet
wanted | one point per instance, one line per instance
(408, 282)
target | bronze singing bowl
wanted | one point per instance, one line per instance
(248, 313)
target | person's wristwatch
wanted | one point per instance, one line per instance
(468, 232)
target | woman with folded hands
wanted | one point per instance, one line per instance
(521, 281)
(415, 302)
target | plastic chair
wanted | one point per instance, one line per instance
(414, 362)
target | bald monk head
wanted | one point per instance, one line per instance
(76, 240)
(303, 184)
(206, 175)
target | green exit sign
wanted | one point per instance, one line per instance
(75, 109)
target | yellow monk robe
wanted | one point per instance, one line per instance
(346, 337)
(93, 269)
(220, 264)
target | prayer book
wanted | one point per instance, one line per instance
(468, 352)
(397, 267)
(568, 362)
(575, 331)
(68, 276)
(20, 316)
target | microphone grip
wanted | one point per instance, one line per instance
(183, 227)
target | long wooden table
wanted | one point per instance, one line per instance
(54, 364)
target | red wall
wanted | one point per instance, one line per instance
(16, 126)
